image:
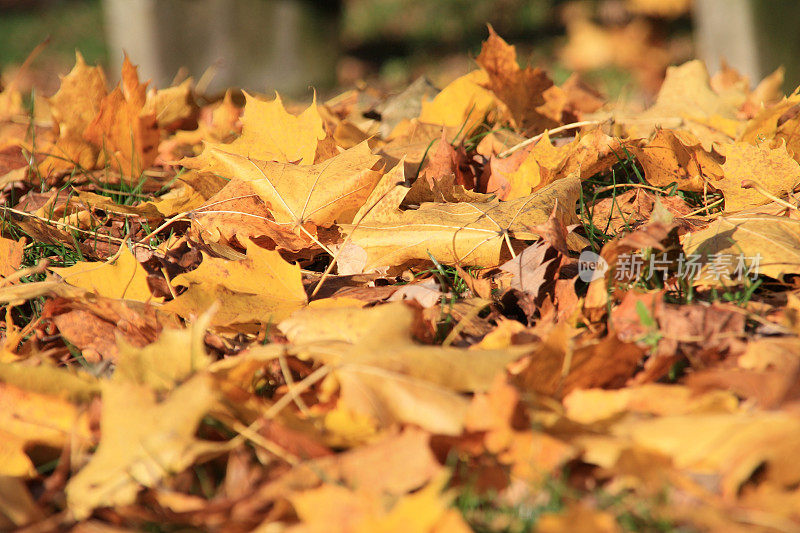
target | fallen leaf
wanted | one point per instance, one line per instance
(143, 441)
(260, 288)
(30, 418)
(359, 511)
(174, 356)
(588, 406)
(529, 269)
(559, 366)
(733, 445)
(173, 107)
(74, 107)
(11, 253)
(462, 105)
(124, 278)
(687, 98)
(528, 93)
(471, 233)
(427, 293)
(95, 324)
(773, 169)
(678, 157)
(125, 133)
(299, 196)
(578, 517)
(269, 133)
(387, 375)
(743, 245)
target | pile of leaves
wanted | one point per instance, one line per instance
(401, 313)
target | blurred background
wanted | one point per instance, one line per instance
(622, 47)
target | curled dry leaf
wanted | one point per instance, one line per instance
(678, 157)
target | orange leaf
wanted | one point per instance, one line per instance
(125, 132)
(529, 94)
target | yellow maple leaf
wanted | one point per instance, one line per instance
(143, 440)
(269, 133)
(123, 130)
(461, 105)
(260, 288)
(29, 418)
(124, 278)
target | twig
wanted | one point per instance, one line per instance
(559, 129)
(751, 184)
(328, 270)
(636, 185)
(704, 208)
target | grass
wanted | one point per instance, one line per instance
(484, 514)
(607, 185)
(70, 24)
(454, 287)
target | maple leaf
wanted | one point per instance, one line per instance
(173, 107)
(10, 102)
(678, 157)
(74, 107)
(472, 233)
(143, 440)
(11, 253)
(349, 401)
(586, 155)
(425, 510)
(30, 418)
(766, 373)
(269, 133)
(580, 517)
(125, 132)
(384, 374)
(96, 325)
(260, 288)
(529, 269)
(765, 243)
(175, 356)
(529, 94)
(123, 278)
(462, 105)
(774, 170)
(775, 122)
(439, 180)
(733, 445)
(560, 366)
(300, 198)
(686, 97)
(589, 406)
